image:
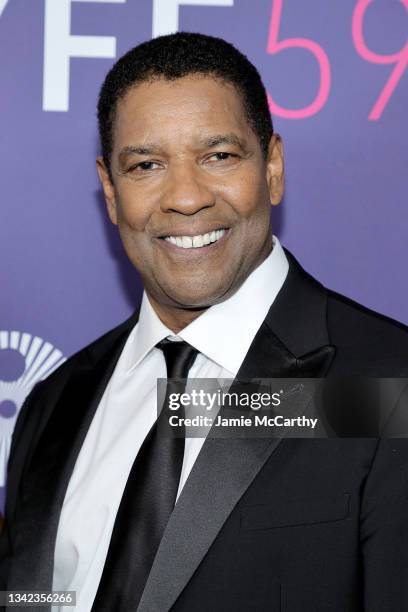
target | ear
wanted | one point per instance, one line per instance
(275, 171)
(108, 189)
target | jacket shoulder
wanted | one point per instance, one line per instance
(367, 337)
(46, 392)
(92, 352)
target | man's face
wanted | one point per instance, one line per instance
(191, 191)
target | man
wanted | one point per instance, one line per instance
(190, 167)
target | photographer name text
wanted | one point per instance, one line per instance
(242, 421)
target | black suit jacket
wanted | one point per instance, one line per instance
(294, 525)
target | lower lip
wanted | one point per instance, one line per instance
(213, 246)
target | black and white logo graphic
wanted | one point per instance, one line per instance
(24, 360)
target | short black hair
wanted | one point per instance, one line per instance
(177, 55)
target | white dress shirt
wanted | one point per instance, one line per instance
(128, 409)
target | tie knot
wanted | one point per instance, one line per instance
(179, 357)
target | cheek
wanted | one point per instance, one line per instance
(249, 197)
(253, 210)
(132, 220)
(137, 247)
(132, 213)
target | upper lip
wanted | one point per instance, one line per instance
(189, 232)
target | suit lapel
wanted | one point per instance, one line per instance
(223, 471)
(225, 468)
(45, 481)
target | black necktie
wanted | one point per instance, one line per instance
(147, 501)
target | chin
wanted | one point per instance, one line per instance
(200, 297)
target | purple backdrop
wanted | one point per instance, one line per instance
(335, 75)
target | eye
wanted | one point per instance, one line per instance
(222, 156)
(143, 166)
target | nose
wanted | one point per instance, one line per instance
(186, 191)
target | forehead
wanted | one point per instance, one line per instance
(185, 108)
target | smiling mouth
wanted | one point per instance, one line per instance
(196, 242)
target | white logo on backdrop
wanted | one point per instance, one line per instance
(24, 360)
(60, 45)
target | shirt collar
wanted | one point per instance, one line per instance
(225, 331)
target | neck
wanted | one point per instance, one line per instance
(175, 319)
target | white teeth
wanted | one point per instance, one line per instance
(187, 242)
(195, 242)
(198, 241)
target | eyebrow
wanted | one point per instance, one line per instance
(220, 139)
(146, 149)
(149, 148)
